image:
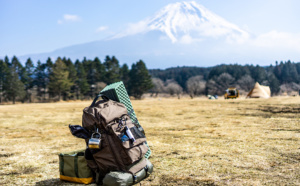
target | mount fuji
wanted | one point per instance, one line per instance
(182, 33)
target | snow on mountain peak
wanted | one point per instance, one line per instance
(187, 22)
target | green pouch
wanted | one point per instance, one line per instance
(73, 167)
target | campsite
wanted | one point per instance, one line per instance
(121, 93)
(193, 141)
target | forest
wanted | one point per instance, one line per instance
(283, 79)
(63, 79)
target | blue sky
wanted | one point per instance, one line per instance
(35, 26)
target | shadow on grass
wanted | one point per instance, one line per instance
(189, 180)
(53, 181)
(57, 181)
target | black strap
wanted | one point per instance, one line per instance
(96, 98)
(61, 164)
(146, 169)
(134, 178)
(76, 165)
(94, 101)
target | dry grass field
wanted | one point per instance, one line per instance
(193, 141)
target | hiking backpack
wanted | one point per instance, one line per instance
(118, 150)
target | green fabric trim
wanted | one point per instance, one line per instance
(61, 165)
(76, 165)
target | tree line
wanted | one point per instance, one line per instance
(65, 80)
(283, 77)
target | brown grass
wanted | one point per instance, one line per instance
(193, 141)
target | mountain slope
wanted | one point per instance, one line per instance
(180, 33)
(186, 19)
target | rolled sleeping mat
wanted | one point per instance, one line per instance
(126, 179)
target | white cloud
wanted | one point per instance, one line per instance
(101, 28)
(276, 39)
(132, 29)
(187, 39)
(69, 18)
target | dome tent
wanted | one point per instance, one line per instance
(259, 91)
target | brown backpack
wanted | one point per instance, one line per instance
(118, 151)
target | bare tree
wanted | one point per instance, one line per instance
(195, 86)
(174, 88)
(246, 83)
(158, 86)
(219, 84)
(289, 88)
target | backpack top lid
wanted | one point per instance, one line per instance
(102, 113)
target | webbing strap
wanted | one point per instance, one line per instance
(129, 113)
(146, 169)
(61, 165)
(134, 178)
(76, 165)
(96, 98)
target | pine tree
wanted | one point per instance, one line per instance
(6, 61)
(124, 74)
(48, 71)
(140, 80)
(112, 70)
(40, 78)
(3, 73)
(28, 78)
(72, 76)
(100, 70)
(90, 69)
(14, 88)
(59, 81)
(82, 86)
(289, 73)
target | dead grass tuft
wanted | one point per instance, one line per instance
(193, 141)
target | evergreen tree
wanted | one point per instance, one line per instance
(14, 88)
(124, 74)
(90, 69)
(28, 78)
(289, 73)
(6, 61)
(72, 76)
(112, 70)
(140, 80)
(258, 74)
(82, 86)
(3, 73)
(59, 81)
(48, 71)
(100, 70)
(18, 68)
(40, 78)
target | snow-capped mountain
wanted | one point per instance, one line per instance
(186, 21)
(183, 33)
